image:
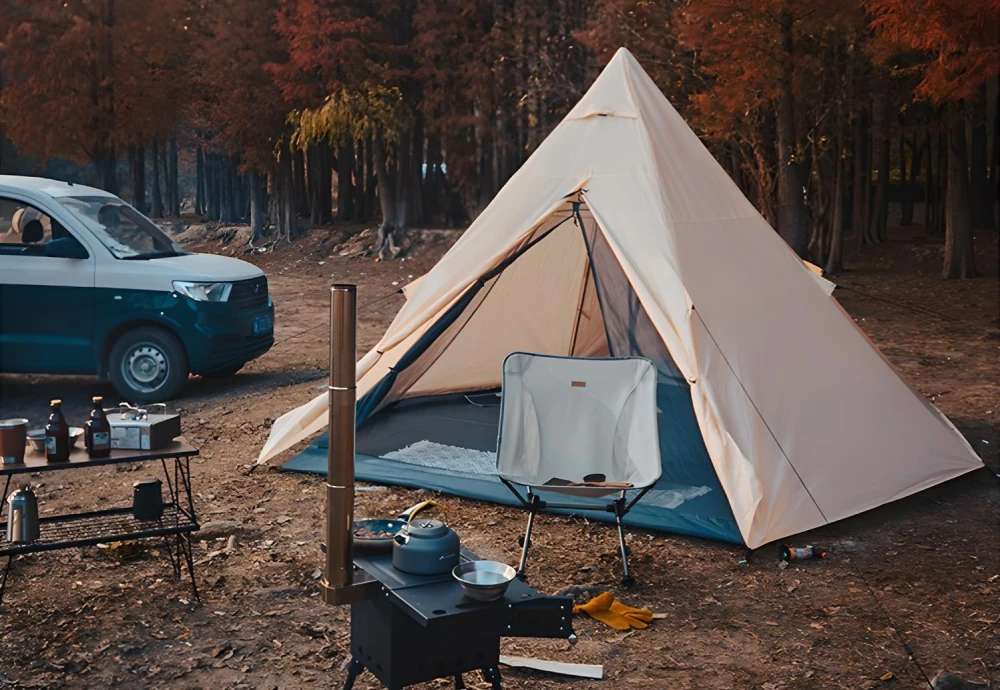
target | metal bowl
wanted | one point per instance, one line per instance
(375, 544)
(484, 580)
(36, 438)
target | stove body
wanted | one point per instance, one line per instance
(408, 629)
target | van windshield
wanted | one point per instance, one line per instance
(124, 231)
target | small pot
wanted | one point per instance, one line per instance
(13, 433)
(425, 547)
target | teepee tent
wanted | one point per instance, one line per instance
(622, 236)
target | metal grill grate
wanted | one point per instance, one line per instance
(87, 529)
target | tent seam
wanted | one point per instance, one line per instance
(761, 416)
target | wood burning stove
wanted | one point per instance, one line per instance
(405, 628)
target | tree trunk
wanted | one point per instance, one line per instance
(959, 255)
(157, 199)
(173, 193)
(862, 169)
(930, 189)
(360, 183)
(793, 220)
(199, 183)
(284, 194)
(880, 212)
(387, 198)
(834, 257)
(982, 197)
(415, 173)
(299, 181)
(137, 168)
(371, 182)
(258, 205)
(942, 177)
(909, 178)
(345, 181)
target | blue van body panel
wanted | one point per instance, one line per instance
(46, 328)
(215, 335)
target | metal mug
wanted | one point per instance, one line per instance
(13, 437)
(22, 517)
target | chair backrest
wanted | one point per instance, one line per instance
(568, 417)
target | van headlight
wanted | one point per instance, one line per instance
(204, 292)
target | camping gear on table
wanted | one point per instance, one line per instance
(615, 614)
(97, 430)
(790, 553)
(484, 580)
(425, 547)
(22, 517)
(36, 438)
(622, 235)
(147, 499)
(57, 445)
(566, 416)
(136, 428)
(408, 628)
(13, 435)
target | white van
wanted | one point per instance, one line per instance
(88, 285)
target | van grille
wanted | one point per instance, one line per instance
(249, 294)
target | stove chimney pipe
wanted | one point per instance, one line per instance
(338, 573)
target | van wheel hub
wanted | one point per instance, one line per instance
(145, 367)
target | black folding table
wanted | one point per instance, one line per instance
(115, 524)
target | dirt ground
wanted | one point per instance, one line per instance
(924, 571)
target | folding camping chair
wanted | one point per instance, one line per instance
(581, 427)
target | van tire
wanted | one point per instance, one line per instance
(147, 365)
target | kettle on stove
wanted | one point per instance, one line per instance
(22, 516)
(425, 547)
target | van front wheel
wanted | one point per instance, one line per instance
(147, 365)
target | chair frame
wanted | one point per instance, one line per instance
(534, 504)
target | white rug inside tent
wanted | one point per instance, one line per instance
(482, 462)
(442, 457)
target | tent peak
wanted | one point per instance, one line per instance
(611, 94)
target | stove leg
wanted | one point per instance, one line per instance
(492, 676)
(353, 671)
(459, 683)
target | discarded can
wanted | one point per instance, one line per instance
(790, 553)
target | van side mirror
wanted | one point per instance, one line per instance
(66, 248)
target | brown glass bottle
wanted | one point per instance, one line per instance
(56, 435)
(97, 431)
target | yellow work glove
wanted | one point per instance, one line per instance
(615, 614)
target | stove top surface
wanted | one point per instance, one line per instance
(430, 598)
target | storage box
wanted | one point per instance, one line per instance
(152, 432)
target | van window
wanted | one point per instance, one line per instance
(24, 230)
(124, 231)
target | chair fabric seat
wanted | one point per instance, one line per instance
(564, 418)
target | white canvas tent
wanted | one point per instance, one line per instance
(622, 235)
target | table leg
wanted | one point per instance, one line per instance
(3, 579)
(6, 487)
(184, 545)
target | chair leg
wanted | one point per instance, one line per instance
(627, 579)
(527, 543)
